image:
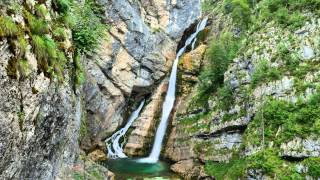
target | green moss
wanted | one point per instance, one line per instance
(39, 48)
(21, 116)
(8, 27)
(50, 59)
(12, 68)
(79, 72)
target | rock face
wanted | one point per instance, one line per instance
(40, 120)
(132, 62)
(205, 132)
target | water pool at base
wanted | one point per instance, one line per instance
(126, 168)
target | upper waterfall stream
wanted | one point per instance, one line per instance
(170, 98)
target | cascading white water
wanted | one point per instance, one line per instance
(170, 98)
(115, 150)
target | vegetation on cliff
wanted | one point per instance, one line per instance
(48, 33)
(258, 86)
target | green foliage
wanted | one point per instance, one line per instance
(229, 171)
(264, 73)
(313, 165)
(24, 68)
(79, 72)
(22, 45)
(41, 10)
(207, 6)
(88, 29)
(225, 97)
(284, 120)
(63, 6)
(286, 13)
(7, 27)
(240, 11)
(219, 55)
(37, 25)
(50, 59)
(59, 33)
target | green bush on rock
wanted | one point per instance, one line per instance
(219, 55)
(264, 72)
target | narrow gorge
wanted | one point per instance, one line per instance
(159, 89)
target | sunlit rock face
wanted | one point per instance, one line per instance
(138, 53)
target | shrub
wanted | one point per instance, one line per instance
(63, 6)
(225, 97)
(300, 119)
(220, 53)
(7, 26)
(207, 6)
(41, 10)
(88, 30)
(313, 165)
(59, 34)
(234, 169)
(37, 25)
(264, 73)
(240, 11)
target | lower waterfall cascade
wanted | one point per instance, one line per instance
(115, 150)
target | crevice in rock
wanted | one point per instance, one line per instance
(293, 159)
(186, 34)
(230, 129)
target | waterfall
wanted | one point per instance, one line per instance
(115, 150)
(170, 98)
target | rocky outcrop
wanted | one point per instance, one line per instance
(142, 42)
